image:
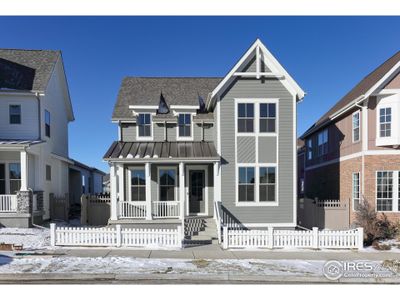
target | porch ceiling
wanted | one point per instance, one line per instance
(162, 150)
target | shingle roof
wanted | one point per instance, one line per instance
(176, 91)
(26, 69)
(162, 150)
(360, 89)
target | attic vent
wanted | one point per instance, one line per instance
(162, 106)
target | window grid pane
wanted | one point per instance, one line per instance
(384, 184)
(167, 184)
(138, 185)
(356, 127)
(144, 124)
(245, 117)
(385, 122)
(267, 117)
(15, 114)
(323, 143)
(267, 184)
(246, 184)
(184, 123)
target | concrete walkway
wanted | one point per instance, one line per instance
(215, 252)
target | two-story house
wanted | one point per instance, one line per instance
(204, 147)
(352, 152)
(35, 109)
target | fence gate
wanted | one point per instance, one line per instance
(332, 214)
(59, 207)
(95, 209)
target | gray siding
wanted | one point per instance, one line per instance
(247, 88)
(251, 67)
(128, 132)
(267, 149)
(245, 149)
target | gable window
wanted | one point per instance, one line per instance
(384, 190)
(267, 117)
(138, 185)
(47, 122)
(309, 149)
(15, 177)
(48, 173)
(15, 114)
(185, 125)
(246, 184)
(167, 184)
(356, 190)
(385, 122)
(245, 117)
(267, 184)
(323, 142)
(144, 125)
(356, 127)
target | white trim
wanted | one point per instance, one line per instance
(129, 182)
(185, 107)
(388, 92)
(259, 74)
(64, 159)
(185, 138)
(202, 168)
(269, 225)
(395, 191)
(176, 179)
(359, 126)
(294, 160)
(352, 189)
(383, 80)
(139, 107)
(146, 138)
(218, 108)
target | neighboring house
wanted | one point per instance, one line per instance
(84, 180)
(106, 184)
(190, 147)
(35, 109)
(352, 152)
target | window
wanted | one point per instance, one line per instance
(144, 125)
(138, 185)
(323, 142)
(309, 149)
(2, 179)
(385, 122)
(15, 177)
(356, 127)
(15, 114)
(48, 173)
(267, 117)
(356, 191)
(267, 184)
(384, 190)
(47, 122)
(167, 184)
(245, 117)
(246, 184)
(83, 184)
(184, 125)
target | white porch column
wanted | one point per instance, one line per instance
(217, 181)
(24, 170)
(121, 183)
(113, 191)
(182, 190)
(147, 170)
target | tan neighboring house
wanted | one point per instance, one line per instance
(352, 152)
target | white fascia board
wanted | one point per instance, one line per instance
(143, 107)
(185, 107)
(383, 80)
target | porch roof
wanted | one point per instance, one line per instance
(162, 150)
(8, 143)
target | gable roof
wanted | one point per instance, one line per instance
(26, 70)
(261, 54)
(147, 91)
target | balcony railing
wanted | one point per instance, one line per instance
(165, 209)
(8, 203)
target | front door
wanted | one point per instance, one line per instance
(197, 197)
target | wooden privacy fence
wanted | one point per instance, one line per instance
(95, 209)
(59, 207)
(313, 239)
(115, 237)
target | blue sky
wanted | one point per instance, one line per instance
(327, 56)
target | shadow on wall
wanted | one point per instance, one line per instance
(4, 260)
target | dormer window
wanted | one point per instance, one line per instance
(144, 125)
(385, 122)
(185, 125)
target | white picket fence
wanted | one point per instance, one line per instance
(115, 237)
(8, 203)
(313, 239)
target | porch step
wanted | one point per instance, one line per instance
(200, 231)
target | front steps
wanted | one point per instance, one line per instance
(200, 231)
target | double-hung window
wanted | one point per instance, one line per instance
(384, 190)
(356, 190)
(144, 125)
(138, 185)
(323, 142)
(15, 177)
(185, 125)
(47, 122)
(385, 122)
(356, 127)
(267, 184)
(246, 184)
(245, 117)
(15, 114)
(267, 117)
(309, 149)
(167, 184)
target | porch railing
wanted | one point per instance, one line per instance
(8, 203)
(165, 209)
(132, 209)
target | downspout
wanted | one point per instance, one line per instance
(165, 131)
(39, 115)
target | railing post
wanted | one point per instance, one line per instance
(53, 234)
(360, 240)
(225, 237)
(270, 237)
(148, 191)
(315, 237)
(119, 234)
(180, 236)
